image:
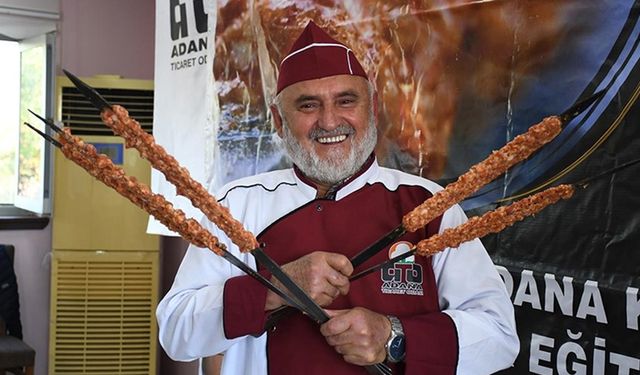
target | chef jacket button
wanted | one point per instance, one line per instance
(318, 207)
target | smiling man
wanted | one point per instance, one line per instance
(441, 315)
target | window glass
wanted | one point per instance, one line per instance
(26, 84)
(31, 146)
(9, 109)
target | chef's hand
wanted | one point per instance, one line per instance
(358, 334)
(322, 275)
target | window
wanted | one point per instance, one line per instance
(27, 76)
(9, 104)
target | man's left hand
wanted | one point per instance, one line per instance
(358, 334)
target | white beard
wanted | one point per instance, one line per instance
(333, 168)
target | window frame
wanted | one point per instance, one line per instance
(23, 214)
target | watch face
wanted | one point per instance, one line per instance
(396, 349)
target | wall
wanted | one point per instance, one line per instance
(94, 37)
(32, 267)
(117, 37)
(107, 37)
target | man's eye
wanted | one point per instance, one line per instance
(308, 106)
(346, 101)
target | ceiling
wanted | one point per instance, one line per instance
(20, 20)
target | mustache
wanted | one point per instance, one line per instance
(341, 129)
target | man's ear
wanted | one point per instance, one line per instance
(277, 120)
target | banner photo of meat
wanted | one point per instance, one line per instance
(456, 79)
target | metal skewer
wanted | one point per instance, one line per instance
(89, 92)
(45, 136)
(579, 107)
(50, 123)
(586, 181)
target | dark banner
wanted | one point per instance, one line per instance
(572, 270)
(456, 80)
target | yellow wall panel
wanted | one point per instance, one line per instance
(102, 312)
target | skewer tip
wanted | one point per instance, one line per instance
(89, 92)
(50, 123)
(584, 183)
(45, 136)
(580, 107)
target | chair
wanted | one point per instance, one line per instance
(15, 356)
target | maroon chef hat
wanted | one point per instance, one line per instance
(316, 55)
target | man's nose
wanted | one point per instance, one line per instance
(329, 118)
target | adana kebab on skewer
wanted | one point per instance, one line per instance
(102, 168)
(479, 226)
(493, 221)
(518, 149)
(484, 172)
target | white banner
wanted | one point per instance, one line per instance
(185, 106)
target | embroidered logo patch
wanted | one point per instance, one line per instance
(404, 276)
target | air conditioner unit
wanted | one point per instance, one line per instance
(104, 286)
(102, 306)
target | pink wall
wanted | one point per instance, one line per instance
(94, 37)
(107, 37)
(33, 270)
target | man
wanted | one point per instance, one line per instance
(452, 309)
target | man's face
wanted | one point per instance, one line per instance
(328, 126)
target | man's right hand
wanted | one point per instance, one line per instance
(322, 275)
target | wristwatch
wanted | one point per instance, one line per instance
(395, 346)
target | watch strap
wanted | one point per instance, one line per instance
(396, 332)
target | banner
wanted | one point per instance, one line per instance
(184, 102)
(572, 270)
(456, 80)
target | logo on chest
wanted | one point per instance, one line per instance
(402, 277)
